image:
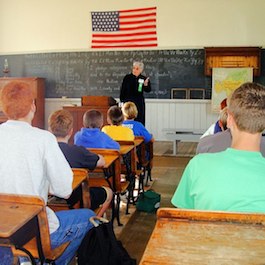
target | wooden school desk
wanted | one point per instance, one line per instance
(112, 177)
(80, 179)
(204, 237)
(144, 164)
(18, 223)
(128, 153)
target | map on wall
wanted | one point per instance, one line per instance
(225, 81)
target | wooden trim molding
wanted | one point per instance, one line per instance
(232, 57)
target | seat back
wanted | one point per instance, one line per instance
(31, 246)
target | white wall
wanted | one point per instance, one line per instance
(65, 25)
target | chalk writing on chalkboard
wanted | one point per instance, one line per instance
(74, 74)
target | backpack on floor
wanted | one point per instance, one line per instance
(148, 201)
(100, 246)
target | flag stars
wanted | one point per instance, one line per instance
(105, 21)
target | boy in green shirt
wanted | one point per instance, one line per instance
(234, 179)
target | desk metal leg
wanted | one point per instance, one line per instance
(131, 178)
(28, 254)
(116, 208)
(116, 198)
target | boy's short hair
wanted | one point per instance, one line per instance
(247, 106)
(223, 103)
(115, 115)
(16, 99)
(60, 123)
(223, 117)
(129, 110)
(93, 119)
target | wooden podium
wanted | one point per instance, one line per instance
(100, 103)
(38, 87)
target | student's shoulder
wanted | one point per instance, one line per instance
(43, 134)
(206, 157)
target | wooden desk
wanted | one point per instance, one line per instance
(111, 169)
(138, 141)
(128, 152)
(112, 176)
(15, 219)
(144, 156)
(19, 224)
(203, 237)
(77, 181)
(80, 180)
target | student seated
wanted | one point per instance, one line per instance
(130, 112)
(33, 164)
(115, 130)
(90, 136)
(219, 142)
(231, 180)
(61, 125)
(222, 140)
(217, 126)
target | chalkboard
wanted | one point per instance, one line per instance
(74, 74)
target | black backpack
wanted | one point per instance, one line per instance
(100, 247)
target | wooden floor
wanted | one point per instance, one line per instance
(166, 174)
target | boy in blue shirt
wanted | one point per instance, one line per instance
(91, 136)
(130, 112)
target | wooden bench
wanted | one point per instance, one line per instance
(206, 237)
(182, 135)
(24, 227)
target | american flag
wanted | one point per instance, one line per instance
(134, 28)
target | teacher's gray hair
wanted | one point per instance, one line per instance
(139, 64)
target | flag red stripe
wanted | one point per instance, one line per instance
(140, 15)
(140, 27)
(126, 40)
(137, 22)
(106, 35)
(136, 10)
(124, 46)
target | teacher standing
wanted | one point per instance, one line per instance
(133, 87)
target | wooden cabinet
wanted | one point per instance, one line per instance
(100, 103)
(232, 57)
(38, 86)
